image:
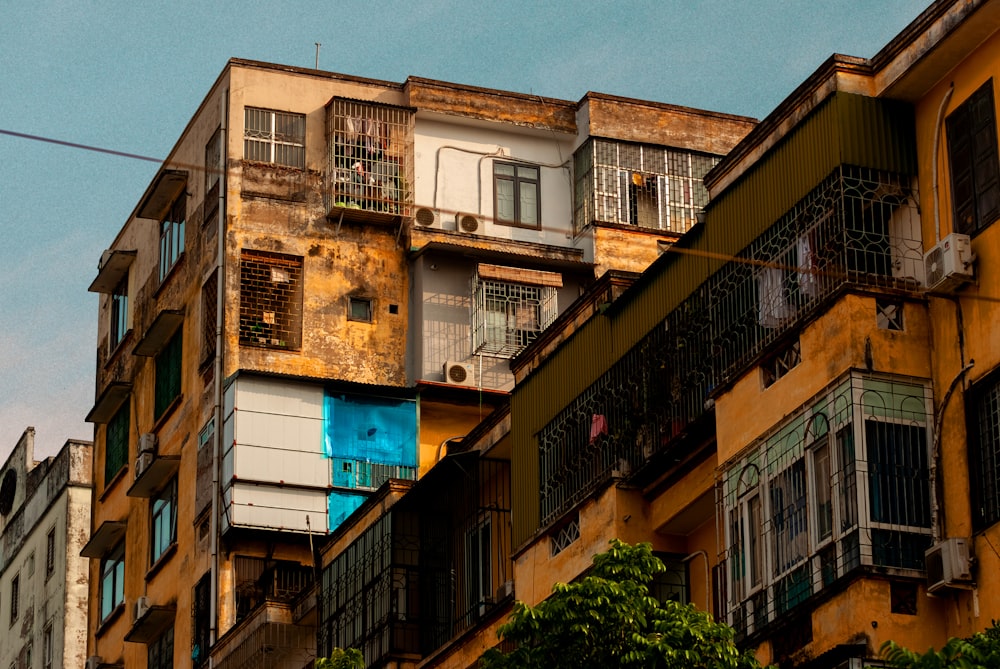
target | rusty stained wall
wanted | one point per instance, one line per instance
(627, 250)
(280, 210)
(656, 123)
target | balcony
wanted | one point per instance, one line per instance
(369, 175)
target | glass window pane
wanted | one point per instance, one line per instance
(505, 170)
(505, 200)
(529, 203)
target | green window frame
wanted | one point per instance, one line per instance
(116, 442)
(168, 375)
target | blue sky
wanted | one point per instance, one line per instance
(128, 76)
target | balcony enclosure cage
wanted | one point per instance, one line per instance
(858, 227)
(638, 184)
(369, 172)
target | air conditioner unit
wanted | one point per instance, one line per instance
(142, 463)
(469, 223)
(459, 373)
(505, 590)
(949, 263)
(948, 565)
(425, 217)
(94, 661)
(147, 442)
(141, 607)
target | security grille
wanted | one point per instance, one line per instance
(506, 316)
(270, 300)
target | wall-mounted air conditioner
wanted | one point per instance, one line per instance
(141, 607)
(147, 442)
(425, 217)
(468, 223)
(949, 264)
(948, 565)
(93, 662)
(143, 462)
(459, 373)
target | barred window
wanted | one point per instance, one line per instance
(209, 314)
(160, 653)
(270, 300)
(116, 442)
(983, 411)
(274, 137)
(507, 316)
(972, 155)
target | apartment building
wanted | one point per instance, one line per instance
(797, 403)
(320, 291)
(44, 521)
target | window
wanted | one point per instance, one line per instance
(47, 647)
(516, 194)
(119, 313)
(840, 485)
(972, 151)
(983, 416)
(201, 621)
(167, 386)
(561, 538)
(780, 362)
(163, 521)
(160, 653)
(213, 174)
(270, 300)
(50, 553)
(507, 316)
(478, 562)
(30, 564)
(672, 583)
(15, 597)
(172, 236)
(209, 314)
(359, 309)
(116, 442)
(889, 314)
(274, 137)
(112, 581)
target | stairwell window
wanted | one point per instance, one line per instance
(116, 442)
(511, 307)
(274, 137)
(160, 653)
(516, 194)
(972, 153)
(172, 236)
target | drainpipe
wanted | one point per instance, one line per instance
(934, 160)
(935, 452)
(219, 352)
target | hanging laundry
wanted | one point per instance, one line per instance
(598, 426)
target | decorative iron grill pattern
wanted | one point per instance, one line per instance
(270, 300)
(840, 485)
(639, 184)
(984, 457)
(859, 226)
(370, 149)
(506, 316)
(273, 644)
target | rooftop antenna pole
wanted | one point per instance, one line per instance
(318, 45)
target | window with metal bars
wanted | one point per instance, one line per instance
(983, 416)
(209, 315)
(213, 174)
(160, 653)
(116, 436)
(50, 553)
(274, 137)
(270, 300)
(564, 535)
(201, 621)
(167, 386)
(15, 598)
(507, 316)
(370, 148)
(780, 362)
(840, 485)
(639, 184)
(972, 155)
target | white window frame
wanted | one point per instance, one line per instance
(508, 316)
(271, 145)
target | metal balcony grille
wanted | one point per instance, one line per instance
(507, 316)
(842, 484)
(857, 227)
(270, 300)
(642, 185)
(369, 157)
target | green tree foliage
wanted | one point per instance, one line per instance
(342, 659)
(980, 651)
(608, 619)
